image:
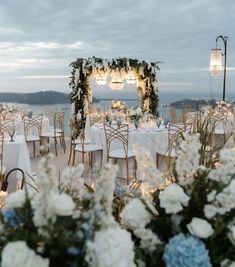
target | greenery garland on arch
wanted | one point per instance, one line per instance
(83, 69)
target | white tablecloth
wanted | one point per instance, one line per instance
(154, 140)
(16, 155)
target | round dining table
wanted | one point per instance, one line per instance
(16, 155)
(152, 139)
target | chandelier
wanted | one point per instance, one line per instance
(216, 61)
(101, 79)
(116, 82)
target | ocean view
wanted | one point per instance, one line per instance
(165, 99)
(117, 133)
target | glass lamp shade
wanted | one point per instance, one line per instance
(216, 61)
(101, 81)
(131, 81)
(116, 85)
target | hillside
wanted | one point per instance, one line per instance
(193, 103)
(39, 98)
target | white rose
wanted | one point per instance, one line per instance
(62, 204)
(211, 196)
(210, 211)
(19, 254)
(227, 263)
(15, 200)
(173, 198)
(200, 228)
(135, 215)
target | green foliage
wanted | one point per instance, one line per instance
(83, 69)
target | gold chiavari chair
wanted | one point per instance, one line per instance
(59, 124)
(121, 136)
(185, 111)
(82, 147)
(32, 130)
(174, 118)
(57, 131)
(175, 136)
(221, 123)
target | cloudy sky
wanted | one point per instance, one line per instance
(39, 39)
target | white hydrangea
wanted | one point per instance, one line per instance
(104, 188)
(146, 168)
(210, 211)
(72, 180)
(224, 171)
(19, 254)
(15, 200)
(111, 247)
(188, 157)
(173, 198)
(148, 240)
(62, 204)
(49, 203)
(135, 215)
(222, 202)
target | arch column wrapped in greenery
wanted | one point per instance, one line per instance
(83, 69)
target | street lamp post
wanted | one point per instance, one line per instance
(216, 60)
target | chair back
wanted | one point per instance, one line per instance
(59, 121)
(119, 134)
(175, 136)
(7, 125)
(174, 118)
(33, 125)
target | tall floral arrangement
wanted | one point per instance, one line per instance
(187, 219)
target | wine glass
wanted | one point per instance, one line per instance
(110, 121)
(11, 132)
(136, 123)
(166, 121)
(158, 122)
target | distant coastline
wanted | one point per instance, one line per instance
(192, 103)
(38, 98)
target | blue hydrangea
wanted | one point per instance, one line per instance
(186, 251)
(73, 251)
(11, 217)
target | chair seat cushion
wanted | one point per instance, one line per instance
(120, 153)
(88, 148)
(32, 138)
(78, 141)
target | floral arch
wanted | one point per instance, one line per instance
(143, 72)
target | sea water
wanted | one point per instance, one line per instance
(165, 99)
